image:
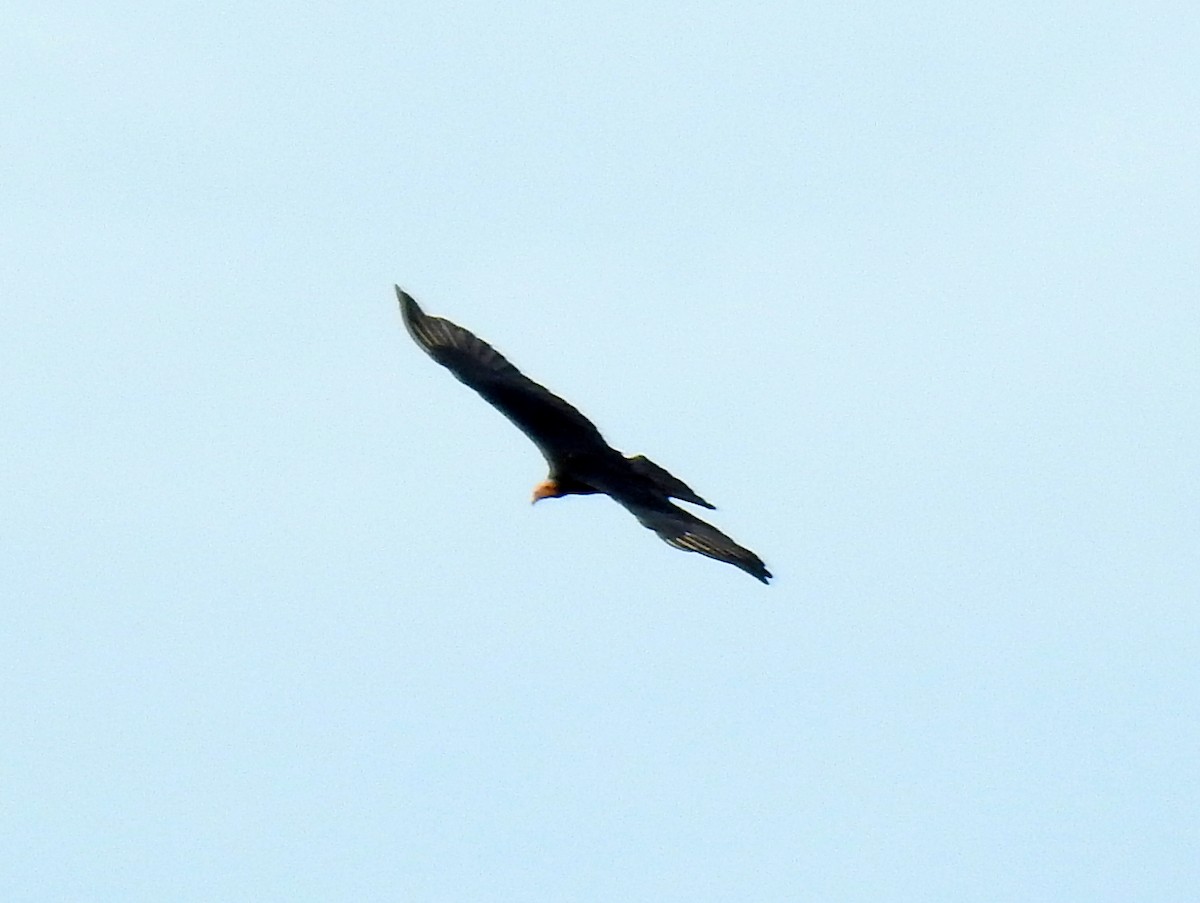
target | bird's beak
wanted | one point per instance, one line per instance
(546, 490)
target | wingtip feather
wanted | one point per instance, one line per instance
(415, 320)
(407, 303)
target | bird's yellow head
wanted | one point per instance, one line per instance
(547, 489)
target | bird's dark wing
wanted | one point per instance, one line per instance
(683, 530)
(556, 427)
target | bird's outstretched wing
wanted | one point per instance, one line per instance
(556, 427)
(683, 530)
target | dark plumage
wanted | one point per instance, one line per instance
(581, 462)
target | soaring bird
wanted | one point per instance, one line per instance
(581, 462)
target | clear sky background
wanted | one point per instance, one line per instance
(911, 292)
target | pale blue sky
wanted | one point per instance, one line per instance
(912, 293)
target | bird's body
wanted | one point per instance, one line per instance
(581, 462)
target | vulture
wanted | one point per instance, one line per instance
(580, 461)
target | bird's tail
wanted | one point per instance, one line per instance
(668, 483)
